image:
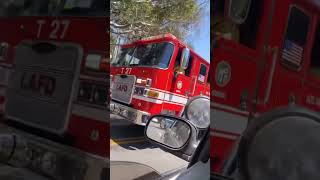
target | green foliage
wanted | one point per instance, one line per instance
(112, 43)
(142, 18)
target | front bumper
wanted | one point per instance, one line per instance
(69, 163)
(8, 172)
(133, 115)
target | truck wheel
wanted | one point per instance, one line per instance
(281, 145)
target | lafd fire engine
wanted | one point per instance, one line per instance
(54, 87)
(156, 75)
(265, 55)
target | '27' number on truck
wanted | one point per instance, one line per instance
(126, 70)
(58, 28)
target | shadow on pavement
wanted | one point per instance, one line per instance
(138, 146)
(130, 137)
(126, 131)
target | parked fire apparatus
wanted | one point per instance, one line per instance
(156, 75)
(274, 62)
(54, 86)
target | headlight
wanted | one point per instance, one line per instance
(48, 163)
(85, 92)
(139, 90)
(198, 112)
(57, 162)
(101, 95)
(95, 94)
(22, 155)
(14, 150)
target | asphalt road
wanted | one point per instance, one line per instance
(127, 143)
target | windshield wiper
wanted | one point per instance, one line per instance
(75, 10)
(134, 64)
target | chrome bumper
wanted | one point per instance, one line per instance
(8, 172)
(133, 115)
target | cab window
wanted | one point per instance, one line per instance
(177, 62)
(248, 31)
(315, 55)
(189, 68)
(221, 25)
(295, 38)
(177, 68)
(245, 33)
(202, 73)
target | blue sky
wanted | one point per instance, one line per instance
(200, 38)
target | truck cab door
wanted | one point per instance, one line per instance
(293, 58)
(311, 81)
(200, 86)
(183, 81)
(182, 84)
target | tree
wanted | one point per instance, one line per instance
(135, 19)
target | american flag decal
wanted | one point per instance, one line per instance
(201, 77)
(292, 52)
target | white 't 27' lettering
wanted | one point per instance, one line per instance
(126, 70)
(58, 31)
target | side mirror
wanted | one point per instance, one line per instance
(185, 58)
(238, 10)
(181, 136)
(281, 144)
(197, 111)
(168, 131)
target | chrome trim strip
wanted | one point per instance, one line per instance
(138, 114)
(227, 122)
(235, 110)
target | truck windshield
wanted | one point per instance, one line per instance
(52, 8)
(154, 55)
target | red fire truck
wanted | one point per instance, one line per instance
(269, 59)
(55, 84)
(156, 75)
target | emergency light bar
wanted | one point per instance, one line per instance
(168, 35)
(96, 62)
(144, 82)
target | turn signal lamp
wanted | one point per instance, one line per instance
(152, 94)
(144, 82)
